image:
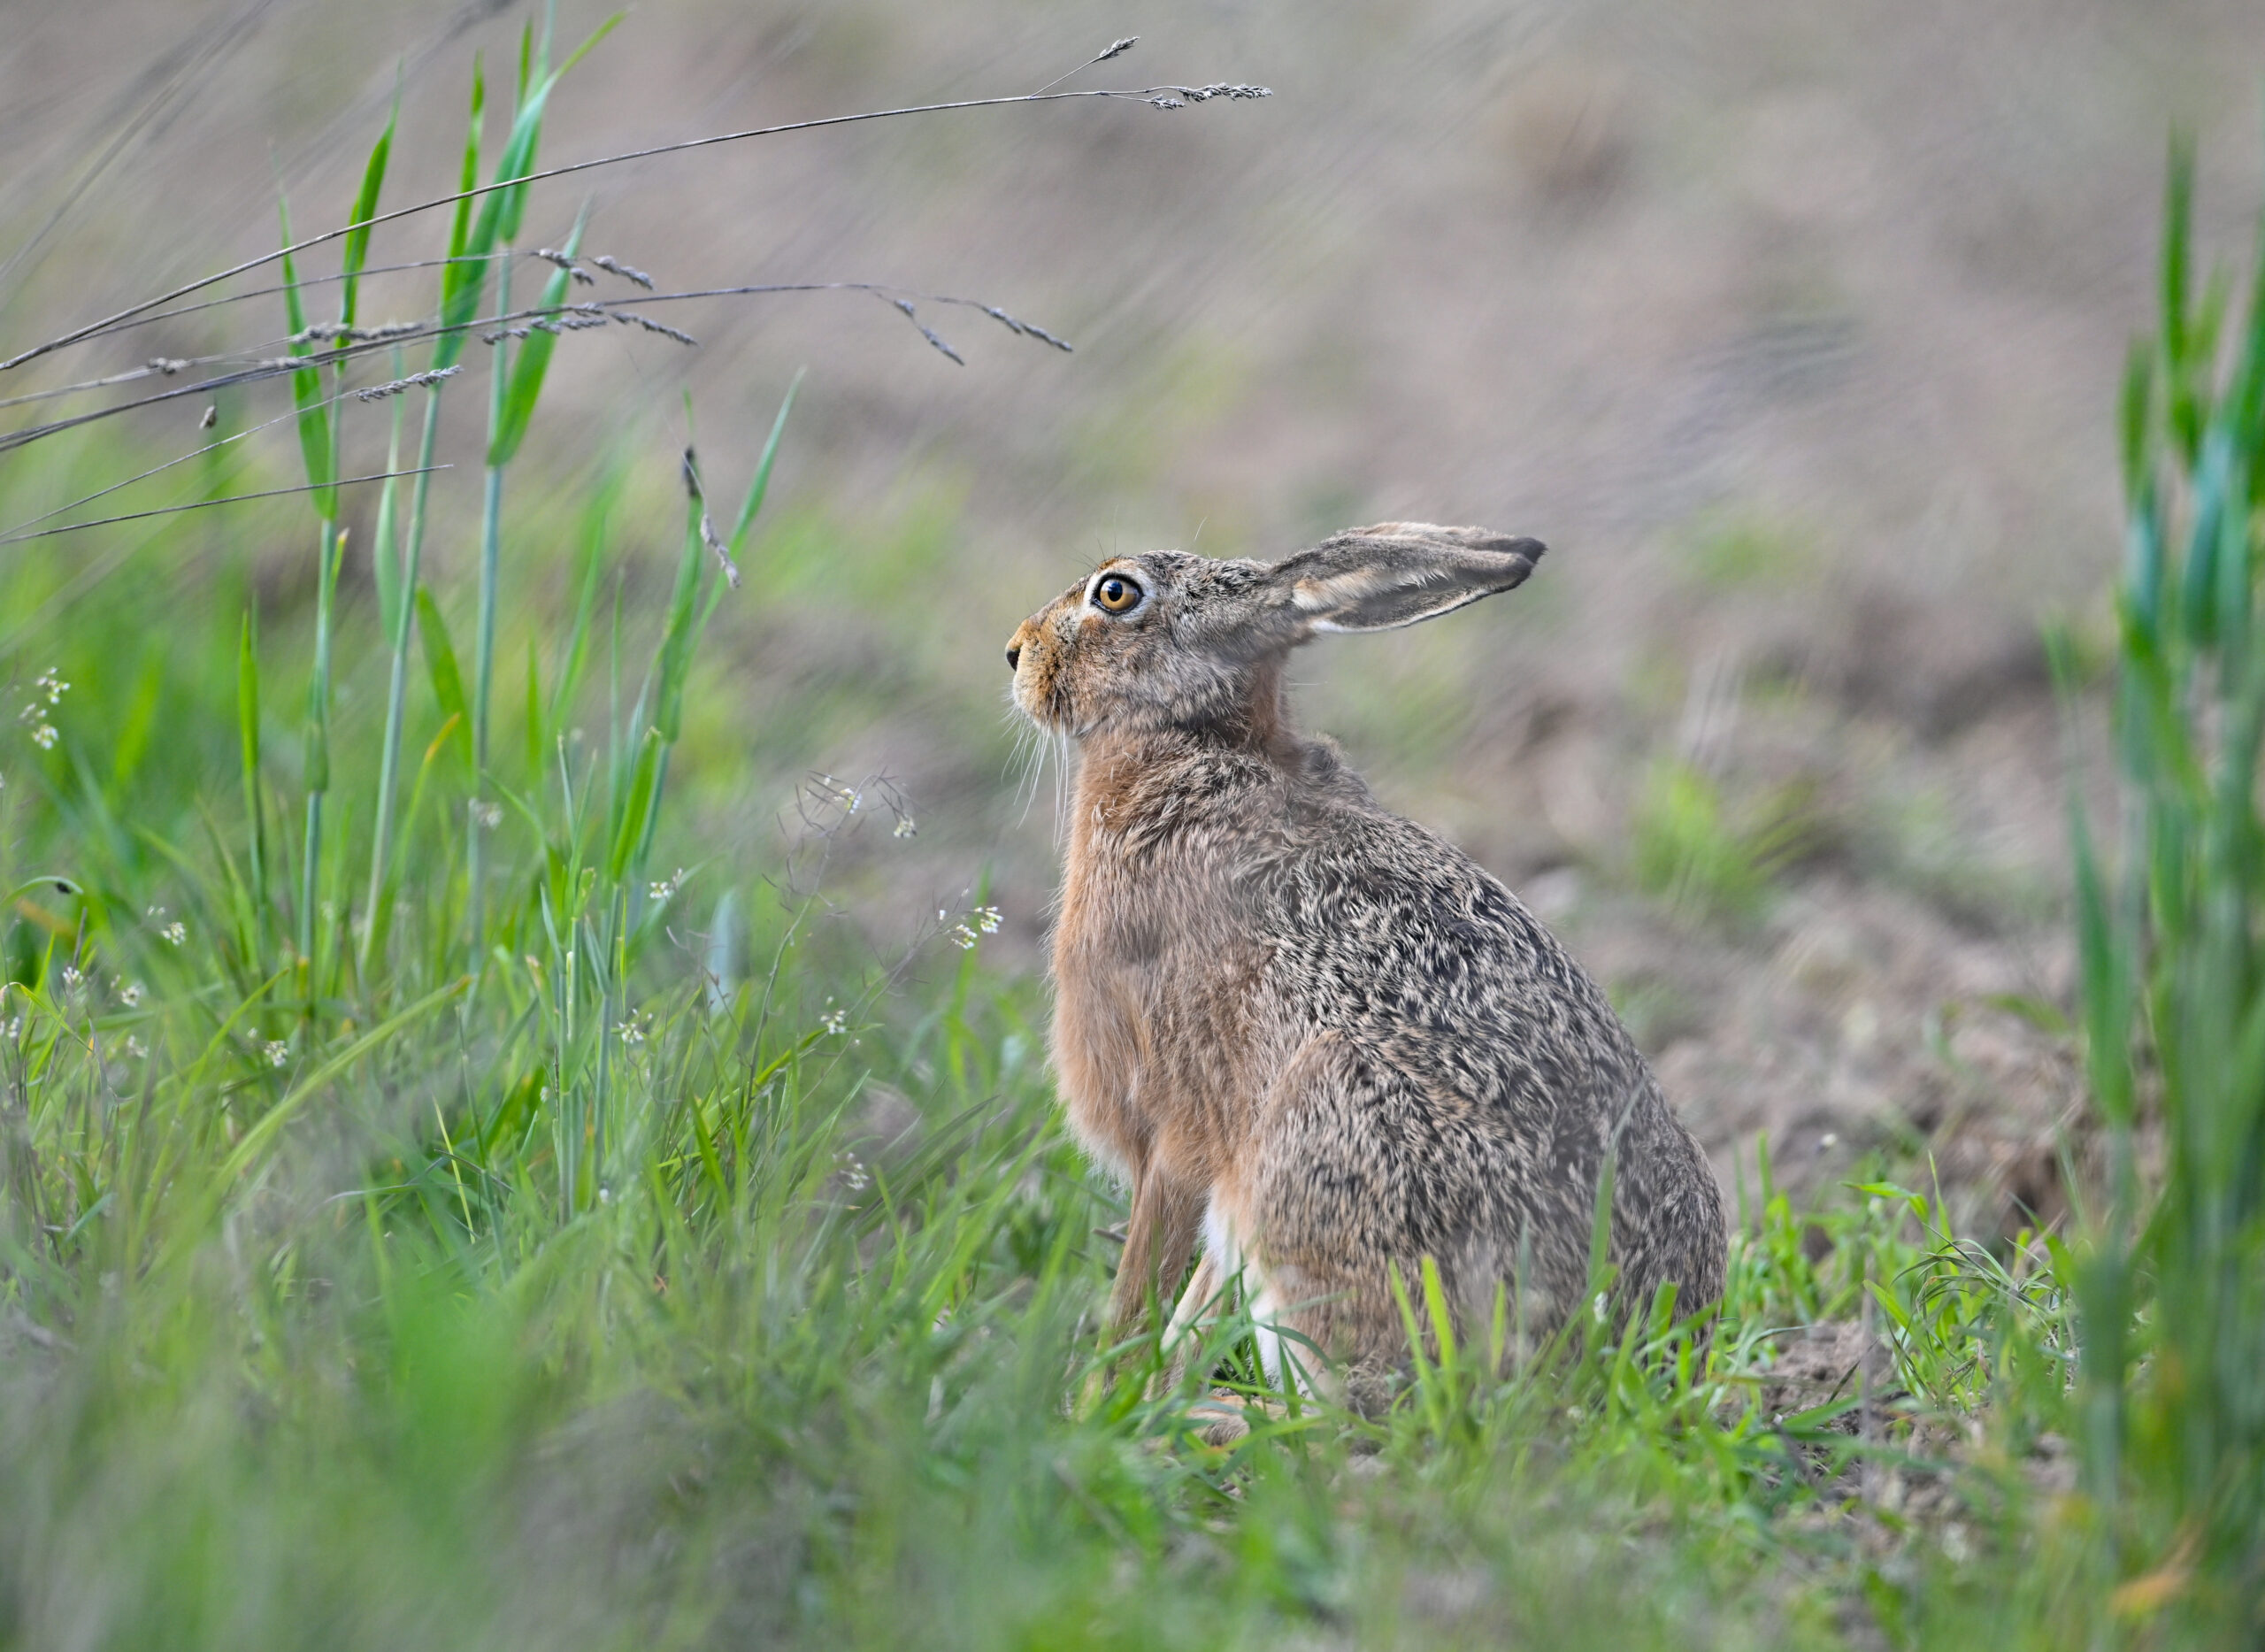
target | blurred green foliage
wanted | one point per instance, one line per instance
(1711, 858)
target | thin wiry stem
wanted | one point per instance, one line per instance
(152, 370)
(202, 504)
(1166, 97)
(9, 534)
(617, 308)
(1115, 48)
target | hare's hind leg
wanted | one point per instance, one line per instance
(1158, 1239)
(1184, 1336)
(1360, 1172)
(1197, 1299)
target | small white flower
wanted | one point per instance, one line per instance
(853, 1172)
(962, 937)
(50, 681)
(176, 933)
(70, 977)
(11, 1026)
(904, 828)
(834, 1020)
(277, 1052)
(986, 920)
(486, 816)
(135, 1048)
(605, 1195)
(129, 994)
(45, 736)
(631, 1032)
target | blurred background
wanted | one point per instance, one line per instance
(1795, 332)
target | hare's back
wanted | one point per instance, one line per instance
(1388, 934)
(1475, 1026)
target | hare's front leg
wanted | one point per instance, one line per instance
(1166, 1214)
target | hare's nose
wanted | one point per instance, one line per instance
(1014, 656)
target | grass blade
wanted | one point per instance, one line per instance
(761, 486)
(525, 385)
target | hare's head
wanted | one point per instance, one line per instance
(1166, 639)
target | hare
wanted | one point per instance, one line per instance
(1305, 1030)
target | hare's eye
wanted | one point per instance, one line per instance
(1116, 594)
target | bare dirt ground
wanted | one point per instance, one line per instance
(1795, 331)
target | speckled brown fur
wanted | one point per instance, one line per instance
(1313, 1031)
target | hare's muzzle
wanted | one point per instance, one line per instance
(1014, 656)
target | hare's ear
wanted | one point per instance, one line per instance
(1395, 573)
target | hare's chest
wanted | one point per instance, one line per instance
(1155, 987)
(1107, 983)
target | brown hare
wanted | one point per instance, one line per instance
(1310, 1034)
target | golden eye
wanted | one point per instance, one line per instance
(1116, 594)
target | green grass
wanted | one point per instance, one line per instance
(408, 1238)
(1710, 858)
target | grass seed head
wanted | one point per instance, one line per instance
(627, 317)
(612, 265)
(565, 261)
(415, 380)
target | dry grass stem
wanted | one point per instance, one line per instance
(204, 504)
(350, 342)
(211, 417)
(1115, 48)
(1160, 97)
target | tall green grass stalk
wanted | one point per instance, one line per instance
(457, 274)
(491, 532)
(318, 443)
(2172, 1285)
(510, 404)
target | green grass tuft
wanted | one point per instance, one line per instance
(1708, 858)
